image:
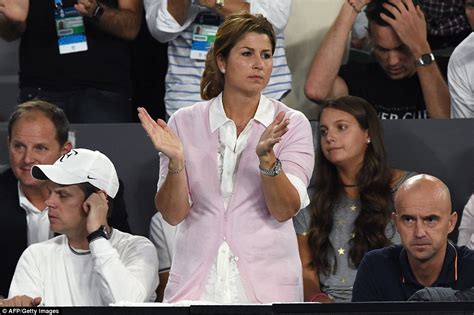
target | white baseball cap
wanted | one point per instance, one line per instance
(81, 166)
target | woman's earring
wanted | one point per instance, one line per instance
(223, 71)
(368, 141)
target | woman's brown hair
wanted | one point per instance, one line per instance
(373, 183)
(230, 32)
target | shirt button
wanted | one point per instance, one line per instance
(236, 258)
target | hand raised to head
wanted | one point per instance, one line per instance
(15, 11)
(96, 208)
(409, 24)
(272, 135)
(162, 136)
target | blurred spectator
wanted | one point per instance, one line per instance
(162, 235)
(466, 228)
(360, 32)
(447, 22)
(84, 68)
(189, 26)
(148, 70)
(461, 73)
(406, 82)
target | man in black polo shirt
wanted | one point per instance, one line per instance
(426, 258)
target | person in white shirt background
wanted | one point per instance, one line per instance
(189, 28)
(461, 73)
(466, 228)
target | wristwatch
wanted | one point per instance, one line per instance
(101, 232)
(274, 171)
(98, 12)
(425, 59)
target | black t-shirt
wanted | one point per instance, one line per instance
(105, 65)
(392, 99)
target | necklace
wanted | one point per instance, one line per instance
(346, 185)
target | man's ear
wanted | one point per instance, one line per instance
(453, 218)
(66, 147)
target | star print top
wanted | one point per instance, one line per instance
(339, 285)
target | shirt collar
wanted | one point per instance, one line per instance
(25, 203)
(448, 274)
(265, 112)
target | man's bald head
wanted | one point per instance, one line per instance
(424, 187)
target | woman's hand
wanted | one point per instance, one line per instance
(162, 136)
(272, 135)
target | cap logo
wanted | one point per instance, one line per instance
(68, 155)
(90, 177)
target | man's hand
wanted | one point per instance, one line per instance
(15, 11)
(96, 208)
(358, 5)
(86, 7)
(409, 24)
(20, 300)
(231, 6)
(324, 299)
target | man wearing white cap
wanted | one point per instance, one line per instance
(90, 263)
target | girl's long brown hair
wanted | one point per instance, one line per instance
(373, 182)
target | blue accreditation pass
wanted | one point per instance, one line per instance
(70, 29)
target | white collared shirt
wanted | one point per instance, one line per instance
(224, 284)
(37, 221)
